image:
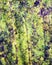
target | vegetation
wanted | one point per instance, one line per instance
(25, 32)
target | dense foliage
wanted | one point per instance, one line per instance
(25, 32)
